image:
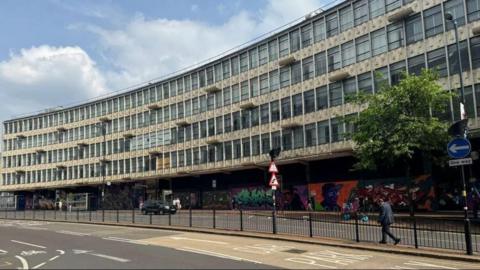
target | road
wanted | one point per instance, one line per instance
(430, 232)
(50, 245)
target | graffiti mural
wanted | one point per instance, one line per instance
(259, 197)
(334, 195)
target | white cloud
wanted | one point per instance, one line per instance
(45, 76)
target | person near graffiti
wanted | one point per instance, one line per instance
(386, 219)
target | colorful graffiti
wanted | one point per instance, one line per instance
(258, 197)
(334, 195)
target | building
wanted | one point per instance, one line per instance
(219, 121)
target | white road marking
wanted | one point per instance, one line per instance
(32, 252)
(53, 258)
(262, 248)
(415, 263)
(131, 241)
(308, 262)
(61, 251)
(198, 240)
(3, 252)
(215, 254)
(73, 233)
(23, 261)
(28, 244)
(5, 264)
(39, 265)
(89, 252)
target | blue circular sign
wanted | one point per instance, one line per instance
(459, 148)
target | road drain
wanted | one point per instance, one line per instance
(295, 251)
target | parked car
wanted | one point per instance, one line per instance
(157, 207)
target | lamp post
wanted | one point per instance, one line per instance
(103, 127)
(463, 115)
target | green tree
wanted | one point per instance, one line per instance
(400, 121)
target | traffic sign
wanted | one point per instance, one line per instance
(272, 168)
(459, 162)
(274, 181)
(459, 148)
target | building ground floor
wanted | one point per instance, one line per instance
(328, 184)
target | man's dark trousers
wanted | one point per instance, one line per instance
(386, 231)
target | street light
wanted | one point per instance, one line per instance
(463, 116)
(103, 127)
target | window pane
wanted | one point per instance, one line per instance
(274, 81)
(438, 61)
(307, 66)
(263, 54)
(332, 24)
(473, 10)
(377, 8)
(433, 21)
(273, 50)
(416, 64)
(346, 18)
(379, 42)
(284, 76)
(323, 132)
(320, 64)
(294, 41)
(253, 55)
(395, 35)
(319, 30)
(453, 57)
(296, 72)
(348, 53)
(310, 135)
(392, 4)
(365, 83)
(309, 101)
(360, 9)
(284, 45)
(334, 59)
(454, 7)
(381, 78)
(307, 35)
(396, 70)
(413, 29)
(335, 93)
(274, 111)
(322, 97)
(349, 88)
(297, 105)
(337, 129)
(475, 49)
(286, 108)
(363, 48)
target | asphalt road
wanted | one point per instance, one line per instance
(437, 234)
(49, 245)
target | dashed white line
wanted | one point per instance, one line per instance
(53, 258)
(39, 265)
(74, 233)
(2, 252)
(215, 254)
(23, 261)
(198, 240)
(131, 241)
(28, 244)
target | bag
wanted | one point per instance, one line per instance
(364, 218)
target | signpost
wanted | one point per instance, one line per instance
(459, 148)
(274, 183)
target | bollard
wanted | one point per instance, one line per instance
(241, 220)
(357, 232)
(310, 227)
(214, 225)
(274, 223)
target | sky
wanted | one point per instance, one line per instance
(58, 53)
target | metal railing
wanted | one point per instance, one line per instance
(415, 231)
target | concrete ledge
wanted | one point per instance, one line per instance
(402, 250)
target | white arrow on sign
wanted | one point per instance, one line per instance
(454, 148)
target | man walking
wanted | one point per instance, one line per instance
(386, 219)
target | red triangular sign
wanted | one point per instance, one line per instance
(272, 168)
(274, 180)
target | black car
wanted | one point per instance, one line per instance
(157, 207)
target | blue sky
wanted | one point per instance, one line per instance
(55, 53)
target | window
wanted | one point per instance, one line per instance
(348, 53)
(254, 114)
(298, 139)
(284, 45)
(264, 114)
(265, 143)
(453, 58)
(475, 49)
(365, 83)
(392, 4)
(307, 35)
(227, 96)
(454, 7)
(226, 69)
(349, 88)
(473, 10)
(379, 42)
(413, 28)
(276, 139)
(235, 66)
(322, 97)
(253, 54)
(235, 93)
(286, 108)
(433, 21)
(323, 132)
(309, 101)
(469, 107)
(256, 145)
(294, 41)
(437, 61)
(273, 50)
(396, 70)
(360, 10)
(381, 78)
(263, 54)
(275, 111)
(334, 59)
(297, 105)
(264, 84)
(346, 18)
(363, 48)
(416, 64)
(254, 87)
(337, 129)
(228, 150)
(395, 35)
(308, 70)
(287, 139)
(332, 24)
(244, 62)
(284, 77)
(310, 135)
(246, 146)
(320, 64)
(377, 8)
(227, 123)
(236, 121)
(319, 30)
(335, 93)
(274, 80)
(296, 72)
(210, 78)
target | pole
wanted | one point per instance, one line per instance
(462, 93)
(468, 235)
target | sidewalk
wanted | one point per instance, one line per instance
(390, 248)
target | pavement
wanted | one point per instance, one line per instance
(29, 244)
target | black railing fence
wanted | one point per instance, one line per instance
(418, 231)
